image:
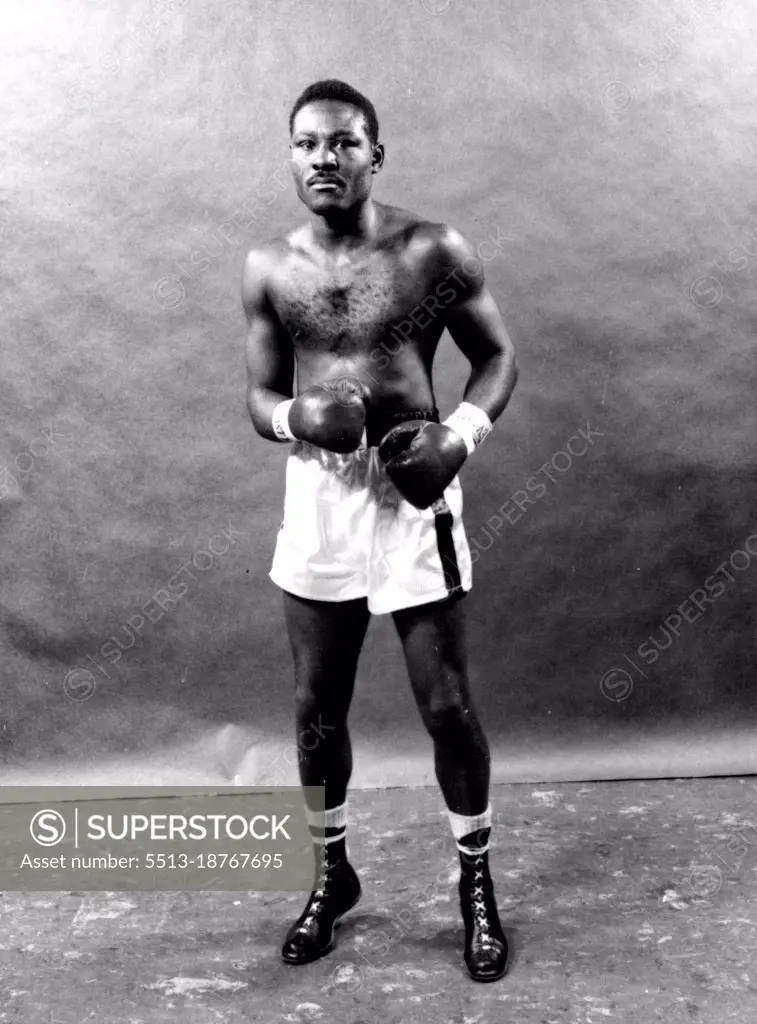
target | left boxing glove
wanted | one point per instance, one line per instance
(422, 459)
(330, 415)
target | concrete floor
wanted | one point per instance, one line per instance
(623, 901)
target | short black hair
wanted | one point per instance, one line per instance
(333, 89)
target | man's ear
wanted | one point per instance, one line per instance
(377, 159)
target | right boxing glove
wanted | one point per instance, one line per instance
(330, 415)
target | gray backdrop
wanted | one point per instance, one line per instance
(608, 150)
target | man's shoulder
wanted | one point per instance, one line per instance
(266, 256)
(259, 269)
(435, 238)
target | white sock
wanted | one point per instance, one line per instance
(464, 824)
(328, 826)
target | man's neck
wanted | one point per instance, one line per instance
(343, 231)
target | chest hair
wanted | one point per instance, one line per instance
(343, 309)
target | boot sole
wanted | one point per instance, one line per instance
(488, 978)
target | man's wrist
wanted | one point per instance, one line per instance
(471, 423)
(280, 421)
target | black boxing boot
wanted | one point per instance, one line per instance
(312, 934)
(486, 950)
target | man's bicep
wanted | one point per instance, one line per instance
(270, 361)
(477, 327)
(471, 315)
(269, 354)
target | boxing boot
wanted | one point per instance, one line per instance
(485, 952)
(312, 934)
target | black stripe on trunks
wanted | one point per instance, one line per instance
(446, 546)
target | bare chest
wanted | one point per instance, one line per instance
(342, 309)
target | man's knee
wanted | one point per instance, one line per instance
(321, 702)
(446, 712)
(318, 727)
(306, 690)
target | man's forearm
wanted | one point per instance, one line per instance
(491, 384)
(261, 403)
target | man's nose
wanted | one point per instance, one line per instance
(324, 156)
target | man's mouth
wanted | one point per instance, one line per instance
(325, 184)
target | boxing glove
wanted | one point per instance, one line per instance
(422, 459)
(330, 415)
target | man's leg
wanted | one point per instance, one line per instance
(433, 640)
(326, 638)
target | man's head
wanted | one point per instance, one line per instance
(335, 147)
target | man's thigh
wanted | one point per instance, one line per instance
(326, 638)
(434, 644)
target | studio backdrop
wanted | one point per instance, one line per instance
(600, 156)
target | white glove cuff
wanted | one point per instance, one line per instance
(471, 423)
(280, 421)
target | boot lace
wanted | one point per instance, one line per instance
(317, 896)
(480, 916)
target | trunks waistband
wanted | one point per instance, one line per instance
(378, 423)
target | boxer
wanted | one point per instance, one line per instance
(344, 317)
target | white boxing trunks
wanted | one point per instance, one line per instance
(347, 532)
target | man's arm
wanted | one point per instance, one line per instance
(476, 326)
(269, 351)
(330, 415)
(422, 459)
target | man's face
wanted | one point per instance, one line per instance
(332, 157)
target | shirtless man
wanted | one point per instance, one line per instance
(350, 307)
